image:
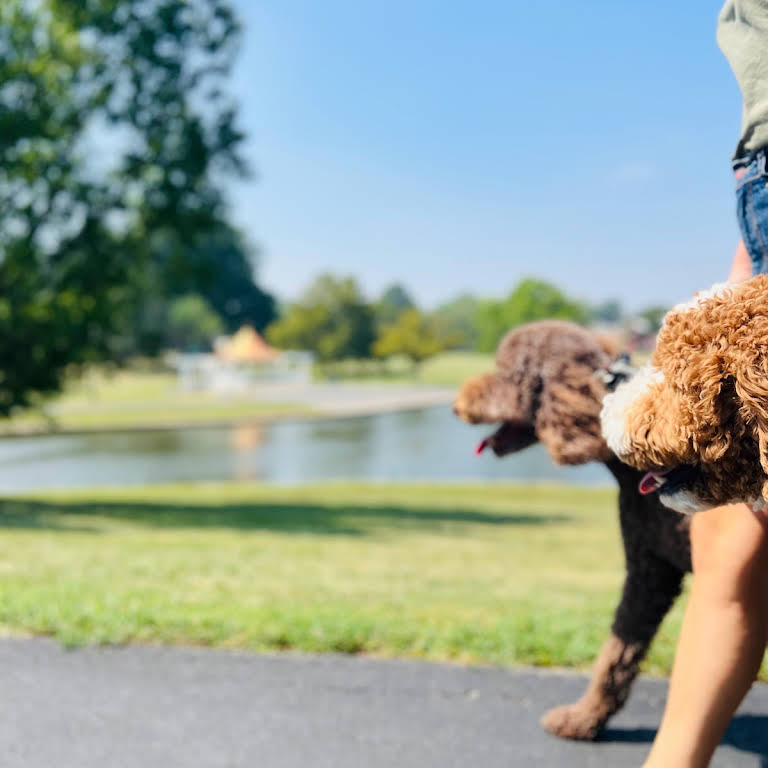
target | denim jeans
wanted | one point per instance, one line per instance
(752, 207)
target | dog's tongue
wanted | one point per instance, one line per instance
(652, 481)
(481, 446)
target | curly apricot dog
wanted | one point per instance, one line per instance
(696, 417)
(547, 388)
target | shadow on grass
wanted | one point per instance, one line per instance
(747, 733)
(273, 516)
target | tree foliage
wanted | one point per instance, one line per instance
(144, 77)
(222, 268)
(192, 323)
(530, 300)
(412, 335)
(56, 301)
(456, 322)
(393, 302)
(332, 320)
(609, 311)
(219, 267)
(654, 317)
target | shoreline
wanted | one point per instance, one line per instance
(403, 401)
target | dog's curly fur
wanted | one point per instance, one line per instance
(545, 384)
(546, 388)
(705, 405)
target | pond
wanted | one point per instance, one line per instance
(429, 444)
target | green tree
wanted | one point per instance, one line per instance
(143, 78)
(412, 335)
(456, 322)
(192, 324)
(220, 267)
(332, 320)
(654, 316)
(530, 300)
(606, 312)
(60, 266)
(393, 302)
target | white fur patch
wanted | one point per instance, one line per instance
(617, 404)
(716, 291)
(683, 502)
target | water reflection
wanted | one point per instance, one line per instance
(430, 444)
(244, 440)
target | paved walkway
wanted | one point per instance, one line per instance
(162, 708)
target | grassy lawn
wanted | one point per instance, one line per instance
(448, 369)
(496, 573)
(130, 398)
(452, 368)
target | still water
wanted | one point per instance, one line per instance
(429, 444)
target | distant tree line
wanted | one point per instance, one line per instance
(335, 321)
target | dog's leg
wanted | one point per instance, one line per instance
(650, 588)
(612, 677)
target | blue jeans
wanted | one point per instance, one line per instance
(752, 206)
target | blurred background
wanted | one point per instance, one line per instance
(248, 252)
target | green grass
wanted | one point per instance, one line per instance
(452, 368)
(496, 573)
(132, 399)
(448, 369)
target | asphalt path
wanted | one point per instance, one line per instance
(160, 708)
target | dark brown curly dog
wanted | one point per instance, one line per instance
(547, 388)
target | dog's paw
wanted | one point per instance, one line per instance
(573, 721)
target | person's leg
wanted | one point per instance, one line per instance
(724, 631)
(741, 269)
(723, 636)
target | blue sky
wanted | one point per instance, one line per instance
(459, 146)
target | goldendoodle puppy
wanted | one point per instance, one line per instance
(696, 417)
(548, 387)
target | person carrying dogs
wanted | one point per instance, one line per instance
(725, 627)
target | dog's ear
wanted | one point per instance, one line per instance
(568, 416)
(609, 344)
(712, 406)
(752, 391)
(706, 396)
(658, 431)
(490, 399)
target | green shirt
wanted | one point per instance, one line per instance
(742, 34)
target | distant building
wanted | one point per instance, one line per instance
(244, 348)
(241, 362)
